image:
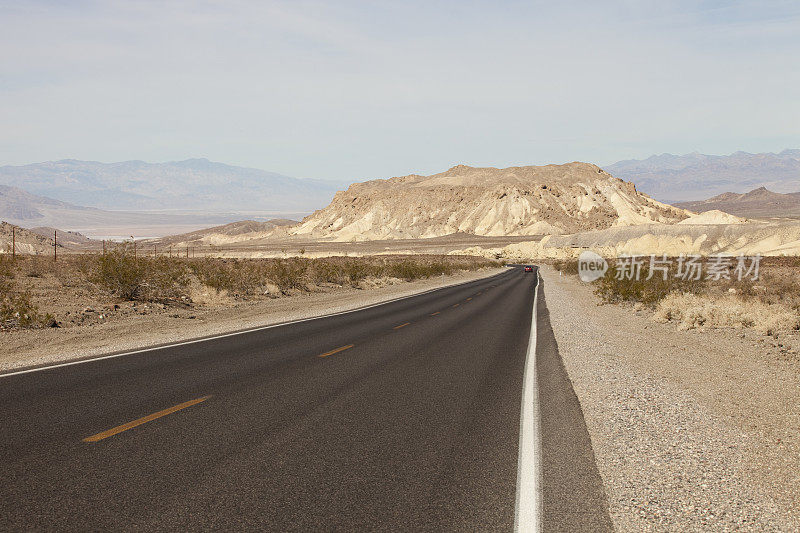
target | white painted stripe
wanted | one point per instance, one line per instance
(527, 516)
(234, 333)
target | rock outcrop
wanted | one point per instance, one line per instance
(531, 200)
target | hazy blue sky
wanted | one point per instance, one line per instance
(348, 90)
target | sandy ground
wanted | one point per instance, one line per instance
(691, 430)
(26, 348)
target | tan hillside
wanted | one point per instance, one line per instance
(757, 203)
(27, 242)
(551, 199)
(713, 217)
(245, 230)
(702, 238)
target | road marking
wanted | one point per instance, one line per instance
(456, 305)
(468, 299)
(528, 503)
(401, 325)
(138, 422)
(337, 350)
(241, 332)
(436, 313)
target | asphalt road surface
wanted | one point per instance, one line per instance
(404, 416)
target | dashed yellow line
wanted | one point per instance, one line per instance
(337, 350)
(402, 325)
(456, 305)
(468, 299)
(436, 313)
(138, 422)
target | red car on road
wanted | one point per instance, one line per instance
(528, 268)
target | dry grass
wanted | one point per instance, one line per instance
(692, 311)
(769, 304)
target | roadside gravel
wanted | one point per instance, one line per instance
(691, 430)
(28, 348)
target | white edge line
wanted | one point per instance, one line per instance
(234, 333)
(527, 509)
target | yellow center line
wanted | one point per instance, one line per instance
(456, 305)
(436, 313)
(138, 422)
(468, 299)
(402, 325)
(337, 350)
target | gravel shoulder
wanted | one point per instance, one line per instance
(691, 430)
(28, 348)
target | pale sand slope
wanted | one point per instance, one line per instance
(527, 200)
(714, 217)
(23, 348)
(749, 238)
(691, 431)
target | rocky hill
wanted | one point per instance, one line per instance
(680, 178)
(758, 203)
(27, 242)
(235, 232)
(530, 200)
(68, 239)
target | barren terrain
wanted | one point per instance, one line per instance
(486, 201)
(222, 297)
(692, 429)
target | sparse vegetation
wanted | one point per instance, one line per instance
(614, 288)
(16, 307)
(140, 278)
(566, 266)
(92, 287)
(769, 304)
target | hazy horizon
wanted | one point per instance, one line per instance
(359, 90)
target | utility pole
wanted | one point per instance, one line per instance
(134, 247)
(104, 247)
(13, 242)
(55, 246)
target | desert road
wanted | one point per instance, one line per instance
(403, 416)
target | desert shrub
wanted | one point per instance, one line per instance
(146, 278)
(165, 279)
(357, 270)
(120, 273)
(288, 273)
(249, 276)
(17, 310)
(411, 269)
(613, 288)
(216, 274)
(567, 266)
(725, 311)
(326, 271)
(6, 269)
(140, 278)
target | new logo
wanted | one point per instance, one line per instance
(591, 266)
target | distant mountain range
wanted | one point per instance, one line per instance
(680, 178)
(758, 203)
(31, 210)
(191, 185)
